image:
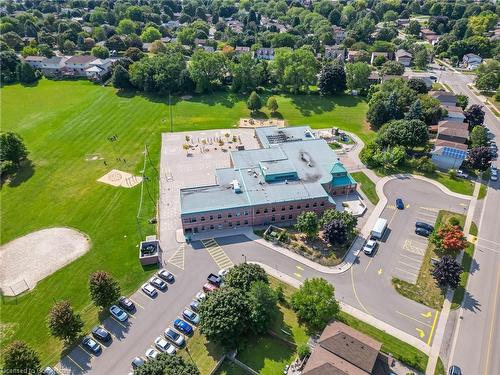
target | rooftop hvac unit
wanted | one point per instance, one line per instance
(236, 186)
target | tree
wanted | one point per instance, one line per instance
(134, 53)
(12, 148)
(491, 70)
(447, 272)
(478, 137)
(378, 114)
(452, 238)
(247, 74)
(462, 101)
(150, 34)
(126, 27)
(307, 222)
(121, 78)
(417, 85)
(68, 47)
(421, 59)
(225, 316)
(415, 112)
(357, 76)
(392, 68)
(263, 300)
(167, 364)
(244, 275)
(335, 232)
(295, 70)
(160, 73)
(26, 74)
(100, 52)
(332, 79)
(474, 115)
(315, 304)
(349, 220)
(413, 28)
(104, 290)
(8, 66)
(63, 322)
(272, 104)
(19, 358)
(158, 47)
(206, 69)
(487, 82)
(254, 103)
(479, 158)
(405, 133)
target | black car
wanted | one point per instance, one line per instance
(101, 334)
(214, 280)
(425, 226)
(454, 370)
(137, 362)
(422, 232)
(126, 304)
(167, 276)
(91, 345)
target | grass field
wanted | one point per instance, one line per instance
(426, 291)
(367, 186)
(64, 122)
(229, 368)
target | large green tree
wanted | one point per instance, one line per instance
(263, 300)
(207, 70)
(307, 222)
(254, 103)
(347, 218)
(104, 290)
(357, 76)
(63, 322)
(315, 303)
(225, 316)
(167, 364)
(406, 133)
(244, 275)
(332, 79)
(12, 148)
(478, 137)
(19, 358)
(295, 70)
(247, 74)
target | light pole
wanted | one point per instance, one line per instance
(245, 257)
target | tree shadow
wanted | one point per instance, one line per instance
(259, 115)
(30, 84)
(470, 303)
(24, 173)
(277, 115)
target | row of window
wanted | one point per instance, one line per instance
(246, 213)
(238, 223)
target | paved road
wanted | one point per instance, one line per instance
(478, 332)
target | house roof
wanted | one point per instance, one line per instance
(453, 132)
(35, 58)
(402, 53)
(444, 96)
(443, 143)
(326, 369)
(453, 125)
(80, 59)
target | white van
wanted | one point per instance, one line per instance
(379, 228)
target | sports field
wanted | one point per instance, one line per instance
(66, 123)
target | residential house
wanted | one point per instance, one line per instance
(240, 50)
(448, 155)
(376, 54)
(374, 77)
(235, 25)
(76, 65)
(342, 350)
(454, 113)
(52, 67)
(424, 77)
(338, 34)
(208, 48)
(471, 61)
(264, 54)
(429, 36)
(200, 42)
(453, 131)
(403, 57)
(445, 97)
(402, 22)
(334, 52)
(35, 62)
(172, 24)
(354, 55)
(99, 68)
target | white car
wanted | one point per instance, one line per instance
(152, 353)
(149, 290)
(494, 174)
(164, 346)
(370, 247)
(200, 296)
(223, 272)
(118, 313)
(462, 174)
(174, 336)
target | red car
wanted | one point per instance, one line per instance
(207, 288)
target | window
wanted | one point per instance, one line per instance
(315, 204)
(245, 222)
(238, 213)
(229, 216)
(273, 209)
(290, 217)
(238, 223)
(212, 227)
(273, 218)
(282, 217)
(322, 204)
(185, 220)
(307, 205)
(265, 210)
(219, 216)
(245, 213)
(291, 207)
(193, 220)
(202, 227)
(283, 208)
(211, 217)
(202, 218)
(299, 207)
(257, 212)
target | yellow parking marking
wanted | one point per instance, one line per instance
(391, 206)
(427, 314)
(177, 259)
(76, 363)
(432, 209)
(433, 328)
(414, 319)
(217, 253)
(409, 246)
(368, 265)
(136, 303)
(131, 316)
(297, 274)
(421, 333)
(120, 323)
(463, 204)
(380, 271)
(299, 268)
(407, 205)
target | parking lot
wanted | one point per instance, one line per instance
(150, 319)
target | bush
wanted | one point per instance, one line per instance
(452, 173)
(454, 221)
(303, 350)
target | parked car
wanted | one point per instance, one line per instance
(200, 296)
(149, 290)
(92, 345)
(422, 232)
(399, 204)
(454, 370)
(462, 174)
(191, 316)
(101, 334)
(137, 362)
(158, 283)
(126, 303)
(174, 336)
(164, 346)
(152, 353)
(195, 305)
(118, 313)
(182, 326)
(370, 247)
(494, 175)
(207, 287)
(167, 276)
(427, 227)
(214, 280)
(222, 273)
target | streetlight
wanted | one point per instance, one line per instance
(244, 256)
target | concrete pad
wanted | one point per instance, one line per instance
(28, 259)
(119, 178)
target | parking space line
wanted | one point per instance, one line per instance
(217, 253)
(86, 351)
(432, 209)
(409, 265)
(413, 259)
(415, 319)
(426, 214)
(408, 272)
(76, 363)
(117, 321)
(136, 303)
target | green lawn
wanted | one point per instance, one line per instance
(459, 294)
(426, 291)
(229, 368)
(483, 190)
(203, 353)
(63, 122)
(367, 186)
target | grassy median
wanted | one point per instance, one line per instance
(367, 186)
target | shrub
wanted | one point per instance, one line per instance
(303, 350)
(454, 221)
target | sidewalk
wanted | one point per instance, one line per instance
(369, 319)
(445, 312)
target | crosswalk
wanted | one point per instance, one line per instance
(217, 253)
